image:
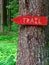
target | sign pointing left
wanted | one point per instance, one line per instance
(31, 20)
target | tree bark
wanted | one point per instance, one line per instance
(32, 49)
(1, 16)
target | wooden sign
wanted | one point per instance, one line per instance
(31, 20)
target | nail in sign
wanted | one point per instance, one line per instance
(31, 20)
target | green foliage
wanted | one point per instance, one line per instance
(14, 6)
(14, 27)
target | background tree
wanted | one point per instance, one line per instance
(9, 15)
(8, 10)
(1, 16)
(12, 10)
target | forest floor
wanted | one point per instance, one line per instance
(8, 47)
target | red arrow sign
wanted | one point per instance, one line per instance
(31, 20)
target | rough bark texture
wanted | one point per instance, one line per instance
(32, 49)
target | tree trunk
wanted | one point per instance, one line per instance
(1, 16)
(5, 13)
(9, 19)
(32, 49)
(9, 16)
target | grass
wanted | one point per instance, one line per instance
(9, 46)
(8, 53)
